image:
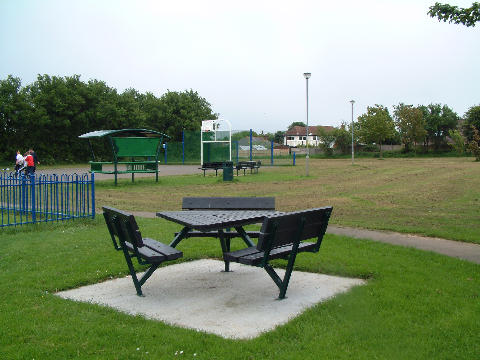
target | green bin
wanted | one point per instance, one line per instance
(228, 171)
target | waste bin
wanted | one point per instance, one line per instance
(227, 171)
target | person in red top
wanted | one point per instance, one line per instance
(30, 163)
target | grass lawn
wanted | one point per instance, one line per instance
(429, 196)
(416, 305)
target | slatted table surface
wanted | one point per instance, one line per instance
(205, 220)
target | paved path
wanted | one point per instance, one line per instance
(163, 170)
(461, 250)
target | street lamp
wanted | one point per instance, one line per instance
(352, 102)
(307, 76)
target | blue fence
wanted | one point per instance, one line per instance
(43, 198)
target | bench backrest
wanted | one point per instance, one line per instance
(136, 146)
(228, 203)
(295, 226)
(122, 226)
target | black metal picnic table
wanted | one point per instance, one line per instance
(217, 220)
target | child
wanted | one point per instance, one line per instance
(30, 163)
(19, 163)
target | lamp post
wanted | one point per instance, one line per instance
(307, 76)
(352, 102)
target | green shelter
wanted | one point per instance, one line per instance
(133, 151)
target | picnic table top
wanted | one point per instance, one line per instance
(205, 220)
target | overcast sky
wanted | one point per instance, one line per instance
(247, 58)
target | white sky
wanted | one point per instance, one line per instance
(247, 58)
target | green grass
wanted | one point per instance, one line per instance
(437, 197)
(415, 305)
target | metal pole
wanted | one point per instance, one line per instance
(353, 156)
(307, 76)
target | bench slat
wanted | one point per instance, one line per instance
(169, 252)
(228, 203)
(147, 254)
(228, 234)
(252, 256)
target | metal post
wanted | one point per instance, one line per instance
(237, 149)
(93, 195)
(307, 76)
(166, 153)
(251, 145)
(353, 156)
(183, 147)
(271, 153)
(32, 193)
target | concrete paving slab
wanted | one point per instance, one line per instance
(240, 304)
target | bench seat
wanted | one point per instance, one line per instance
(154, 251)
(282, 237)
(252, 256)
(124, 230)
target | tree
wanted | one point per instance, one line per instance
(439, 120)
(474, 144)
(376, 126)
(327, 138)
(471, 118)
(343, 139)
(278, 137)
(458, 141)
(410, 124)
(62, 108)
(296, 123)
(182, 111)
(466, 16)
(13, 106)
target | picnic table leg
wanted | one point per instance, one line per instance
(131, 269)
(180, 236)
(225, 244)
(244, 236)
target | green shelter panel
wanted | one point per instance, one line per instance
(136, 146)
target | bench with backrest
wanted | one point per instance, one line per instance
(245, 165)
(123, 227)
(226, 203)
(215, 165)
(281, 237)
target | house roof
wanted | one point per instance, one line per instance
(301, 130)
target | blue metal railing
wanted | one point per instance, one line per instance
(43, 198)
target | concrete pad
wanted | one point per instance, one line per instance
(198, 295)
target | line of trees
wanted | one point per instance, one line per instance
(434, 127)
(49, 115)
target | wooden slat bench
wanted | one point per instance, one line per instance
(244, 165)
(281, 237)
(122, 226)
(226, 203)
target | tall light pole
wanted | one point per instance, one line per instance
(353, 161)
(307, 76)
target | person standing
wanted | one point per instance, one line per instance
(18, 162)
(30, 163)
(35, 159)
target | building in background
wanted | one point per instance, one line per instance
(296, 136)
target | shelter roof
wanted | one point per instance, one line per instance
(123, 133)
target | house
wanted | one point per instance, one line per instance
(297, 135)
